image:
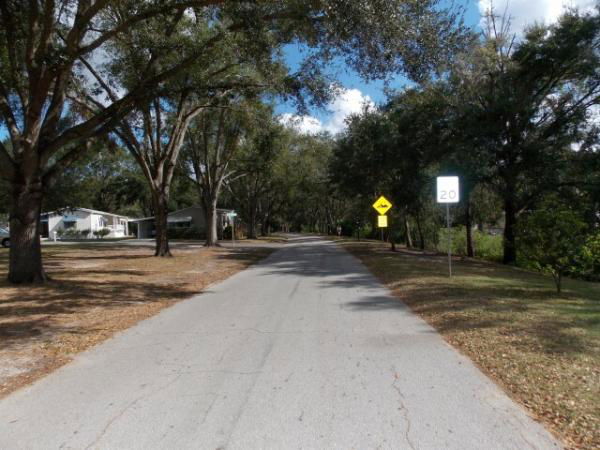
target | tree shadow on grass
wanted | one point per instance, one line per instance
(485, 295)
(28, 314)
(378, 303)
(244, 254)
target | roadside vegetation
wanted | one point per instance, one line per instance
(163, 79)
(541, 347)
(515, 118)
(143, 107)
(96, 291)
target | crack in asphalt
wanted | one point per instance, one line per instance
(487, 400)
(120, 414)
(403, 407)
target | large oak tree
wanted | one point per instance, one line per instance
(523, 105)
(43, 45)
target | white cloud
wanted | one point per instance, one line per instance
(527, 12)
(304, 124)
(347, 102)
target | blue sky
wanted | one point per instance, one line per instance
(357, 91)
(374, 90)
(521, 12)
(350, 80)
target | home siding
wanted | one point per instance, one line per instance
(84, 220)
(54, 224)
(196, 213)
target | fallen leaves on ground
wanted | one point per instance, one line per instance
(95, 292)
(541, 348)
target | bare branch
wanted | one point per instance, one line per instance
(99, 79)
(65, 161)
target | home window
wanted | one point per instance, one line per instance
(69, 224)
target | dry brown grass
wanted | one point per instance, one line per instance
(543, 349)
(97, 290)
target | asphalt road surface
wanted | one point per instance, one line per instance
(304, 350)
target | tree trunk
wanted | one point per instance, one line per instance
(161, 223)
(265, 227)
(252, 223)
(409, 240)
(374, 228)
(510, 222)
(25, 260)
(210, 203)
(420, 231)
(558, 281)
(469, 226)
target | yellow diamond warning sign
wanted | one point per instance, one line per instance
(382, 205)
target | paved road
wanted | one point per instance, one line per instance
(305, 350)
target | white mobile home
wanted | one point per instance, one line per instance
(85, 221)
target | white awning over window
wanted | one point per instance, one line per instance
(67, 218)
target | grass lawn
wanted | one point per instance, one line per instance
(542, 348)
(97, 290)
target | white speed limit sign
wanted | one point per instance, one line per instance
(447, 190)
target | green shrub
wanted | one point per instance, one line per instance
(556, 240)
(591, 252)
(70, 233)
(459, 240)
(102, 233)
(488, 246)
(485, 245)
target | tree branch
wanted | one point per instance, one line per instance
(148, 14)
(7, 113)
(7, 165)
(9, 28)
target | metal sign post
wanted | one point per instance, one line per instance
(232, 215)
(448, 192)
(449, 240)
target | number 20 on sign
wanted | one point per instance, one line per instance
(447, 190)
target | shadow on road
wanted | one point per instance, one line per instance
(493, 302)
